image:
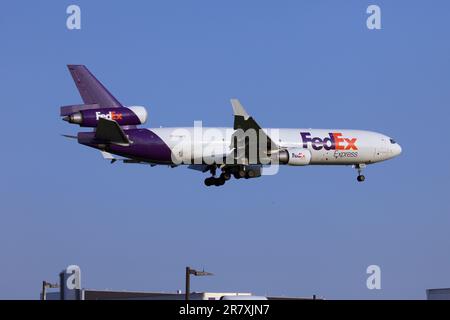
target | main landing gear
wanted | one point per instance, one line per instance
(238, 172)
(220, 181)
(360, 167)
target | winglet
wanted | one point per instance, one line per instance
(238, 109)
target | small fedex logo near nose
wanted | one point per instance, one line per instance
(334, 141)
(109, 116)
(299, 155)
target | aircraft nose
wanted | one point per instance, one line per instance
(397, 149)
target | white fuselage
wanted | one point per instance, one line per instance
(327, 146)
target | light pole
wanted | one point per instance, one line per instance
(46, 285)
(196, 273)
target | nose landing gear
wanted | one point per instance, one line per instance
(360, 167)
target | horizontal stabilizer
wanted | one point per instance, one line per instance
(109, 131)
(69, 136)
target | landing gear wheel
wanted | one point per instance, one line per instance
(225, 176)
(250, 174)
(209, 181)
(241, 174)
(219, 182)
(360, 168)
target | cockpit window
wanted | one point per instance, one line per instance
(393, 141)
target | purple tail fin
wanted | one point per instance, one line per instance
(91, 90)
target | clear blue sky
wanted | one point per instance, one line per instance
(305, 231)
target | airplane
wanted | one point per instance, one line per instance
(240, 151)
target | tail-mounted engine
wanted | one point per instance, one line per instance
(89, 116)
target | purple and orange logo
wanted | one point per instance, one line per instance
(334, 141)
(112, 115)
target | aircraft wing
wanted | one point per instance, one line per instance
(199, 167)
(113, 158)
(243, 123)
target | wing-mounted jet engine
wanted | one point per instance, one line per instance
(295, 157)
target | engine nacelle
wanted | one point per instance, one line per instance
(295, 157)
(125, 116)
